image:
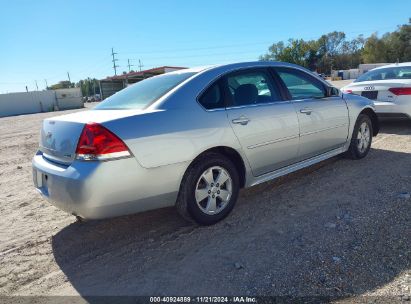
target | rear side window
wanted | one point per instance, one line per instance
(212, 98)
(301, 85)
(252, 87)
(386, 74)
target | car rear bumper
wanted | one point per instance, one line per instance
(397, 107)
(96, 189)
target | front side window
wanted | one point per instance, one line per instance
(300, 85)
(143, 93)
(386, 73)
(251, 87)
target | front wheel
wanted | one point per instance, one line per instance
(209, 189)
(361, 138)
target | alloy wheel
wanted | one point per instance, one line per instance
(213, 190)
(363, 137)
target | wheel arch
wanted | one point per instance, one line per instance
(231, 154)
(374, 119)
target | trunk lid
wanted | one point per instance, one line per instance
(60, 135)
(376, 90)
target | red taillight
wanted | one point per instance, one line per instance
(96, 142)
(400, 91)
(347, 91)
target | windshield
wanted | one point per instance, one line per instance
(144, 93)
(386, 73)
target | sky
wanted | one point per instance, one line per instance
(42, 40)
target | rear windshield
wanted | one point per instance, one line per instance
(386, 73)
(143, 93)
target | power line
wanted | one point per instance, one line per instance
(93, 68)
(202, 55)
(241, 44)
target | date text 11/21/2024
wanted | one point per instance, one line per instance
(210, 299)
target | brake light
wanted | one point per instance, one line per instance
(98, 143)
(347, 91)
(400, 91)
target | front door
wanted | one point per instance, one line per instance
(323, 119)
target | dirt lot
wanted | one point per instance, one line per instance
(340, 228)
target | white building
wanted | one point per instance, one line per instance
(355, 73)
(365, 67)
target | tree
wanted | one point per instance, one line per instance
(89, 87)
(391, 47)
(333, 51)
(65, 84)
(296, 51)
(329, 51)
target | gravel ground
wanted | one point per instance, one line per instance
(340, 228)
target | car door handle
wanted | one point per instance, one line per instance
(241, 120)
(306, 111)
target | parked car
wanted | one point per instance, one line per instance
(97, 97)
(192, 138)
(390, 88)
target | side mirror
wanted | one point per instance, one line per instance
(331, 91)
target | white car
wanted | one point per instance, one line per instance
(389, 87)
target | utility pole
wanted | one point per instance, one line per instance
(45, 80)
(68, 75)
(129, 65)
(114, 61)
(140, 65)
(36, 85)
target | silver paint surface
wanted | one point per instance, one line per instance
(165, 138)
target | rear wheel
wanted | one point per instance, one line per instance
(209, 189)
(361, 138)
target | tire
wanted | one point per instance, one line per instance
(199, 189)
(359, 148)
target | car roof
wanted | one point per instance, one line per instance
(239, 65)
(247, 64)
(393, 65)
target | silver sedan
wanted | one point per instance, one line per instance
(194, 137)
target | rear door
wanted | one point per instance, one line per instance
(323, 119)
(265, 124)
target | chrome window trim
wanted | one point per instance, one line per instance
(313, 98)
(259, 104)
